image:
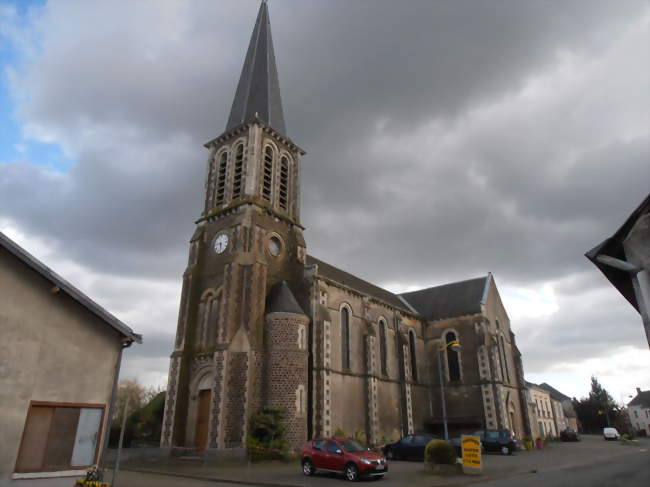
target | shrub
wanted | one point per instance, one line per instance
(440, 452)
(625, 436)
(266, 440)
(341, 433)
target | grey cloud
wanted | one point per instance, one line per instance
(523, 194)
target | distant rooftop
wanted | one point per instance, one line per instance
(642, 399)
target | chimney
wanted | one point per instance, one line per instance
(638, 390)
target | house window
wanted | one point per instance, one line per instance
(345, 338)
(414, 365)
(221, 179)
(453, 363)
(60, 436)
(238, 179)
(283, 197)
(267, 174)
(382, 347)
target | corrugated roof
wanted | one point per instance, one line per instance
(363, 287)
(642, 399)
(449, 300)
(258, 92)
(36, 265)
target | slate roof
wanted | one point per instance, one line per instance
(282, 300)
(66, 287)
(613, 247)
(642, 399)
(449, 300)
(555, 394)
(363, 287)
(258, 92)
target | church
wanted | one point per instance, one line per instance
(263, 323)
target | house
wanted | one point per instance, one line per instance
(542, 419)
(566, 411)
(60, 356)
(638, 410)
(624, 259)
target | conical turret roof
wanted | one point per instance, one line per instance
(258, 91)
(282, 300)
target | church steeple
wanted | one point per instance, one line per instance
(258, 91)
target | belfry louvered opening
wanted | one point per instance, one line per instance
(283, 197)
(221, 179)
(238, 179)
(267, 177)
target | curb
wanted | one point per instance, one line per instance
(210, 479)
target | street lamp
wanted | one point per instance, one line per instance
(455, 346)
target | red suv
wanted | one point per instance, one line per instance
(342, 455)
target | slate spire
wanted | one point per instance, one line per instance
(258, 91)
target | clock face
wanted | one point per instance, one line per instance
(220, 243)
(274, 246)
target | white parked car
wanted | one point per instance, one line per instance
(610, 434)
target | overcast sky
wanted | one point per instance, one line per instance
(445, 139)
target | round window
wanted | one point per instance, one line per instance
(275, 246)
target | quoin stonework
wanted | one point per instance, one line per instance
(261, 322)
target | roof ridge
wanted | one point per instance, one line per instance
(447, 284)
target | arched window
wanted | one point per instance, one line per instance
(267, 174)
(505, 373)
(414, 365)
(221, 179)
(345, 338)
(453, 363)
(208, 324)
(382, 347)
(238, 179)
(283, 196)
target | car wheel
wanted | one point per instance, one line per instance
(351, 472)
(390, 454)
(308, 468)
(505, 450)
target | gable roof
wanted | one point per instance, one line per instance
(555, 394)
(346, 279)
(642, 399)
(450, 300)
(32, 262)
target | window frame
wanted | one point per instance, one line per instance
(383, 347)
(54, 405)
(345, 336)
(413, 354)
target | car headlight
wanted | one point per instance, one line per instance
(366, 461)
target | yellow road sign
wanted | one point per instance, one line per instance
(471, 448)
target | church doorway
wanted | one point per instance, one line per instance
(202, 419)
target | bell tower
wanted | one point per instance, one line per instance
(248, 241)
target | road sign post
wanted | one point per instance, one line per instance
(471, 450)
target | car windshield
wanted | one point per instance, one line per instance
(352, 446)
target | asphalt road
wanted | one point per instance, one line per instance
(630, 470)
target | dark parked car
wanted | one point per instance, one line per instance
(503, 441)
(569, 435)
(410, 447)
(342, 455)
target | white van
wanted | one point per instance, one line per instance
(610, 434)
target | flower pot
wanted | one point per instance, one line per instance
(539, 444)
